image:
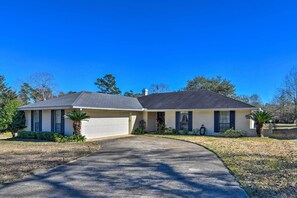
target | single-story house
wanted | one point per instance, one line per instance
(112, 115)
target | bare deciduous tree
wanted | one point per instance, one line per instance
(159, 88)
(40, 87)
(289, 90)
(43, 84)
(281, 108)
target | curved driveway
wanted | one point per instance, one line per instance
(136, 166)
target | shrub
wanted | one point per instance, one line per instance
(50, 136)
(142, 124)
(168, 130)
(234, 133)
(175, 132)
(75, 138)
(161, 128)
(138, 131)
(79, 138)
(60, 138)
(196, 132)
(185, 132)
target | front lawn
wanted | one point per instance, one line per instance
(264, 167)
(22, 157)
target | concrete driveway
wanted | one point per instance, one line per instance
(134, 167)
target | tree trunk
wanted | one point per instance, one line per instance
(77, 127)
(259, 129)
(13, 134)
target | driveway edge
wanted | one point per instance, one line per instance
(210, 151)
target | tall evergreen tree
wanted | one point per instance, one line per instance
(108, 85)
(6, 93)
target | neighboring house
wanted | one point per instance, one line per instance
(117, 115)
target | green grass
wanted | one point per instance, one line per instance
(264, 167)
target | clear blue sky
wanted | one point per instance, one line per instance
(252, 43)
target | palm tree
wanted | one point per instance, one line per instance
(260, 117)
(77, 117)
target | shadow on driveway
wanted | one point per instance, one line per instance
(134, 167)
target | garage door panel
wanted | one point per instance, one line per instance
(103, 127)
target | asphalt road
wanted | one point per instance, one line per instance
(136, 166)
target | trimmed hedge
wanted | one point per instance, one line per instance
(50, 136)
(235, 133)
(138, 131)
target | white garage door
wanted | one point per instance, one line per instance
(104, 127)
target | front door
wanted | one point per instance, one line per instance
(160, 122)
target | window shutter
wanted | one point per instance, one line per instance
(216, 121)
(63, 122)
(232, 119)
(32, 120)
(52, 120)
(190, 120)
(40, 120)
(177, 119)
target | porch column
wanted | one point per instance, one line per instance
(145, 118)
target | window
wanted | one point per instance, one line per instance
(224, 121)
(58, 121)
(57, 124)
(184, 120)
(36, 121)
(252, 124)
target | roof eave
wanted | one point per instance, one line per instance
(44, 108)
(112, 109)
(203, 109)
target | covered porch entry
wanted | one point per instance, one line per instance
(158, 120)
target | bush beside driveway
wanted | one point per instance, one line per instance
(23, 157)
(265, 167)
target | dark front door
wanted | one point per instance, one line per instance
(160, 122)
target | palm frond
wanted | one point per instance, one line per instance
(260, 116)
(77, 116)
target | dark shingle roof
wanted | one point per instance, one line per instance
(87, 99)
(202, 99)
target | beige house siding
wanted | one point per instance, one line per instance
(242, 123)
(170, 119)
(46, 120)
(68, 124)
(151, 121)
(206, 117)
(28, 120)
(136, 118)
(199, 117)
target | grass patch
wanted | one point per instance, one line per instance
(22, 157)
(264, 167)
